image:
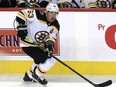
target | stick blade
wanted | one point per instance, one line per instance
(107, 83)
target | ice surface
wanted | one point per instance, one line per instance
(50, 84)
(54, 81)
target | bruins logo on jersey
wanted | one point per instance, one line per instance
(103, 4)
(41, 36)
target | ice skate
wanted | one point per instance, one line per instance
(41, 79)
(27, 78)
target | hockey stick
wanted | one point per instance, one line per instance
(104, 84)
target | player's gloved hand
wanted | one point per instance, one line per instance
(49, 46)
(22, 31)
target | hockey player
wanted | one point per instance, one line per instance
(36, 28)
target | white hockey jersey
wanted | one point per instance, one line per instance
(39, 28)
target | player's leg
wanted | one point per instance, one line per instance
(42, 69)
(36, 54)
(28, 74)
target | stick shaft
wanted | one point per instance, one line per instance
(73, 70)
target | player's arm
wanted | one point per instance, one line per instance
(49, 44)
(21, 19)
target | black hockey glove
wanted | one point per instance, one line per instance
(22, 31)
(49, 45)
